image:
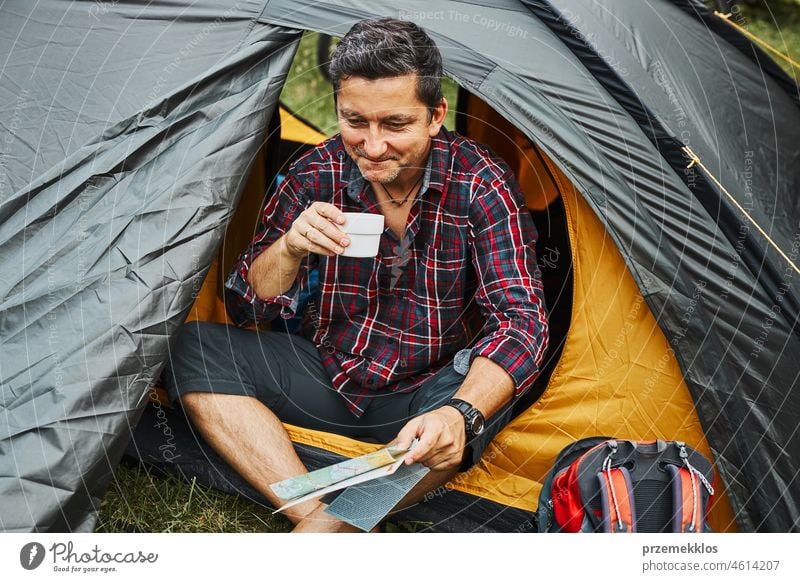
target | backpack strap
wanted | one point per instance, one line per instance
(686, 501)
(690, 506)
(616, 496)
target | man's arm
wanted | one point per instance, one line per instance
(275, 270)
(441, 432)
(267, 278)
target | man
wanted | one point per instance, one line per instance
(382, 353)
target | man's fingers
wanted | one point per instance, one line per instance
(329, 211)
(330, 231)
(312, 240)
(407, 434)
(304, 238)
(444, 462)
(423, 448)
(316, 226)
(319, 249)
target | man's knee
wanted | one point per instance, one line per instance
(194, 336)
(205, 407)
(214, 406)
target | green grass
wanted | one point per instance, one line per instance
(138, 501)
(779, 26)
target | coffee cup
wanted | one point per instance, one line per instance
(364, 231)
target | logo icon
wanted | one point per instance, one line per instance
(31, 555)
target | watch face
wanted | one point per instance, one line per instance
(476, 425)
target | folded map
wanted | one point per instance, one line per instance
(373, 465)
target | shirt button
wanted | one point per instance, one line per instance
(370, 382)
(391, 341)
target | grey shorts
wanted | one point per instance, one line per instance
(285, 373)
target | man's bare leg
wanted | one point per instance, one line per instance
(251, 439)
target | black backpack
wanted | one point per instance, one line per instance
(601, 484)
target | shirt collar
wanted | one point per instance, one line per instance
(435, 170)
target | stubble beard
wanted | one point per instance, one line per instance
(388, 177)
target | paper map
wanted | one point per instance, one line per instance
(373, 465)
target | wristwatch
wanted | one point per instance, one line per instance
(474, 423)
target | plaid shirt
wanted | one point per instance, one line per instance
(386, 324)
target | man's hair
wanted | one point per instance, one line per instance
(387, 47)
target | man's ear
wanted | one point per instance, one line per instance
(437, 118)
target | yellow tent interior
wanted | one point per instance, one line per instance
(616, 374)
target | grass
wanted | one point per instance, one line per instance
(140, 502)
(777, 24)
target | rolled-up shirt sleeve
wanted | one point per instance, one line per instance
(241, 302)
(509, 291)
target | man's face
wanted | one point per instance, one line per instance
(385, 127)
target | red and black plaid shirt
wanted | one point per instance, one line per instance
(386, 324)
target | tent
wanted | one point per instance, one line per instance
(657, 147)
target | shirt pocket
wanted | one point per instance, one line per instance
(439, 291)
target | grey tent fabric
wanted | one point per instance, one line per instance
(128, 134)
(127, 140)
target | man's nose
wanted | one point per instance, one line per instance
(374, 144)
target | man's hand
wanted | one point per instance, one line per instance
(441, 439)
(316, 231)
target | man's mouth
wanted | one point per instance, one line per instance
(369, 160)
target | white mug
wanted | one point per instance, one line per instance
(364, 230)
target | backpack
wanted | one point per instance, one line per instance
(601, 484)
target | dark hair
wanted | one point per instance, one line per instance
(387, 47)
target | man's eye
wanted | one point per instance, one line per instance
(356, 122)
(395, 126)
